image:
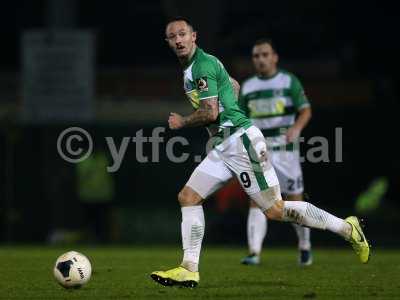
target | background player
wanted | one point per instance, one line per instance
(272, 98)
(239, 150)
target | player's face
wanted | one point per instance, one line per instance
(265, 59)
(180, 38)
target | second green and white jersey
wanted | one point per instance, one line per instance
(272, 103)
(205, 77)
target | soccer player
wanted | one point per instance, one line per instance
(272, 99)
(239, 150)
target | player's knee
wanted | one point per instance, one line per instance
(188, 197)
(275, 212)
(267, 198)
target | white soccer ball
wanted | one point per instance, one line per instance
(72, 269)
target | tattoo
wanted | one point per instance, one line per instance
(205, 114)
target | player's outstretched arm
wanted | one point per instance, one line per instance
(204, 115)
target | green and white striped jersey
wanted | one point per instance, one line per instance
(205, 77)
(272, 103)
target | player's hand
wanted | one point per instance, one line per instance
(175, 121)
(292, 134)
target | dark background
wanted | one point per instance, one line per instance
(344, 52)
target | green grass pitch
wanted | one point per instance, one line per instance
(123, 273)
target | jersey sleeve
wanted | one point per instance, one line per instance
(299, 97)
(205, 79)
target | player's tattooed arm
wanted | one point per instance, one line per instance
(205, 114)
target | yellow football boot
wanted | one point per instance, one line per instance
(358, 241)
(177, 276)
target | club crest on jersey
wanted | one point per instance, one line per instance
(202, 84)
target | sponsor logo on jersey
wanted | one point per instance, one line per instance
(266, 107)
(193, 97)
(202, 84)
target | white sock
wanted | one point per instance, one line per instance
(192, 228)
(304, 213)
(256, 229)
(303, 234)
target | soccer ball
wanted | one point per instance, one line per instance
(72, 269)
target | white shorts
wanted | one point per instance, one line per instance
(288, 169)
(244, 155)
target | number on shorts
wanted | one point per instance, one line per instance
(290, 185)
(298, 182)
(245, 178)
